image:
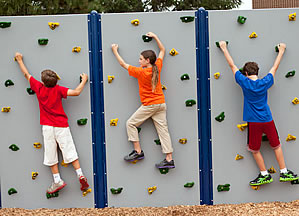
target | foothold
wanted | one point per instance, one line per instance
(76, 49)
(242, 126)
(190, 103)
(6, 109)
(220, 117)
(253, 35)
(43, 41)
(185, 77)
(52, 195)
(134, 161)
(217, 75)
(292, 17)
(255, 187)
(218, 44)
(5, 24)
(34, 175)
(290, 74)
(135, 22)
(146, 38)
(113, 122)
(8, 83)
(164, 87)
(241, 19)
(84, 193)
(110, 79)
(139, 129)
(183, 140)
(290, 137)
(295, 101)
(150, 190)
(53, 25)
(157, 141)
(173, 52)
(30, 91)
(239, 157)
(265, 138)
(14, 147)
(189, 185)
(187, 19)
(82, 121)
(116, 190)
(272, 170)
(224, 187)
(37, 145)
(12, 191)
(295, 182)
(164, 170)
(64, 164)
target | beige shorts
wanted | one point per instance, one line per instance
(63, 137)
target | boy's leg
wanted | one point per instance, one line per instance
(82, 179)
(279, 157)
(259, 160)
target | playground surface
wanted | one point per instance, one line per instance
(265, 208)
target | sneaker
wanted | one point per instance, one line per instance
(289, 176)
(83, 182)
(165, 164)
(134, 156)
(260, 180)
(56, 187)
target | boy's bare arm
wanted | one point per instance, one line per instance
(77, 91)
(281, 48)
(19, 59)
(160, 45)
(227, 56)
(120, 60)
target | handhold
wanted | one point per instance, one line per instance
(157, 141)
(43, 41)
(6, 109)
(271, 170)
(190, 102)
(34, 175)
(265, 138)
(139, 129)
(5, 24)
(76, 49)
(290, 137)
(290, 74)
(253, 35)
(146, 38)
(187, 19)
(135, 22)
(239, 157)
(30, 91)
(217, 75)
(255, 187)
(164, 87)
(14, 147)
(185, 77)
(183, 140)
(12, 191)
(242, 126)
(295, 182)
(116, 190)
(53, 25)
(151, 189)
(173, 52)
(64, 164)
(84, 193)
(52, 195)
(113, 122)
(224, 187)
(295, 101)
(241, 19)
(110, 78)
(8, 83)
(82, 121)
(218, 44)
(292, 17)
(164, 170)
(37, 145)
(189, 184)
(220, 117)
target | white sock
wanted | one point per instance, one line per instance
(79, 172)
(264, 173)
(56, 178)
(284, 170)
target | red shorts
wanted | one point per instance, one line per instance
(255, 132)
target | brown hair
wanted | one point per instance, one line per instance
(151, 55)
(49, 78)
(251, 68)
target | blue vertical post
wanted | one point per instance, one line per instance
(97, 109)
(204, 107)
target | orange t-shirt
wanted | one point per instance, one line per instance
(144, 76)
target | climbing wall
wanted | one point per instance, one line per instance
(122, 100)
(271, 27)
(21, 126)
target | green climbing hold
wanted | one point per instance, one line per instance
(189, 184)
(158, 142)
(223, 187)
(82, 121)
(276, 49)
(30, 91)
(241, 19)
(190, 103)
(5, 24)
(146, 38)
(12, 191)
(116, 191)
(187, 19)
(14, 147)
(220, 117)
(185, 77)
(8, 83)
(218, 44)
(139, 129)
(43, 41)
(164, 170)
(56, 194)
(265, 138)
(295, 182)
(290, 74)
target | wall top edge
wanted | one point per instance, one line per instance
(263, 9)
(43, 16)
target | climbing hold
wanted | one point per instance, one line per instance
(255, 187)
(272, 170)
(84, 193)
(12, 191)
(238, 157)
(189, 184)
(150, 190)
(164, 170)
(185, 77)
(139, 129)
(8, 83)
(241, 19)
(224, 187)
(113, 122)
(295, 101)
(110, 78)
(216, 75)
(276, 49)
(116, 190)
(76, 49)
(218, 44)
(290, 137)
(52, 195)
(146, 38)
(220, 117)
(190, 103)
(164, 87)
(183, 140)
(30, 91)
(265, 138)
(253, 35)
(173, 52)
(5, 24)
(295, 182)
(43, 41)
(82, 121)
(187, 19)
(242, 126)
(135, 22)
(157, 141)
(34, 175)
(292, 17)
(290, 74)
(6, 109)
(53, 25)
(64, 164)
(14, 147)
(37, 145)
(134, 161)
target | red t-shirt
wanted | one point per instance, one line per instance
(50, 103)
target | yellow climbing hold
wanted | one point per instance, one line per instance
(53, 25)
(290, 137)
(110, 78)
(253, 35)
(86, 192)
(272, 170)
(242, 126)
(151, 189)
(135, 22)
(58, 77)
(34, 175)
(164, 87)
(183, 141)
(76, 49)
(113, 122)
(6, 109)
(292, 17)
(239, 157)
(216, 75)
(37, 145)
(64, 164)
(173, 52)
(295, 101)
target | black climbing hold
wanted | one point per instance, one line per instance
(185, 77)
(187, 19)
(30, 91)
(223, 187)
(43, 41)
(189, 184)
(295, 182)
(116, 190)
(8, 83)
(163, 170)
(14, 147)
(146, 38)
(190, 103)
(12, 191)
(220, 117)
(139, 129)
(265, 138)
(241, 19)
(290, 74)
(158, 142)
(82, 121)
(5, 24)
(218, 45)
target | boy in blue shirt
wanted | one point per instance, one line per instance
(258, 115)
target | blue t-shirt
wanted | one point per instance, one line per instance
(255, 93)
